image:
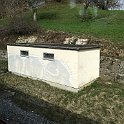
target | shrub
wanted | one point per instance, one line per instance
(21, 25)
(4, 31)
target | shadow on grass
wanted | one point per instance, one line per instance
(46, 109)
(2, 121)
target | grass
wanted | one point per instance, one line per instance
(3, 22)
(108, 25)
(101, 102)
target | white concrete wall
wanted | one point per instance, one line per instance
(63, 69)
(88, 67)
(69, 68)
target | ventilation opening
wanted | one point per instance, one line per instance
(24, 53)
(49, 56)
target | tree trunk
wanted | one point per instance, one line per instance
(85, 10)
(94, 11)
(35, 14)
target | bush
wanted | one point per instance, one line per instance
(18, 25)
(48, 15)
(21, 25)
(4, 31)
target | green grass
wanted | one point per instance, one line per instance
(4, 22)
(108, 24)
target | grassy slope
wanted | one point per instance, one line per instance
(109, 24)
(101, 102)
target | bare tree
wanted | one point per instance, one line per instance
(13, 7)
(106, 4)
(2, 9)
(103, 4)
(34, 4)
(9, 8)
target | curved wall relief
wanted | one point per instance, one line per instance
(35, 67)
(54, 71)
(30, 66)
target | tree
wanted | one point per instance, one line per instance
(103, 4)
(13, 7)
(106, 4)
(86, 5)
(34, 4)
(9, 8)
(2, 9)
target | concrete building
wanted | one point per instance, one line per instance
(68, 67)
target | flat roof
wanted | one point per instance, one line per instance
(57, 46)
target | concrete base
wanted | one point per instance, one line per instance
(64, 87)
(57, 85)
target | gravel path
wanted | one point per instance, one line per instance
(15, 115)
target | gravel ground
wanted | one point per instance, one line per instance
(15, 115)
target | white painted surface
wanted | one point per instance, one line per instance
(63, 69)
(69, 68)
(88, 67)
